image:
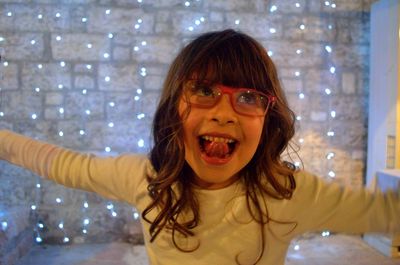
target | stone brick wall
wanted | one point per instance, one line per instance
(86, 74)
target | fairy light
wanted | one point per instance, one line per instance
(273, 8)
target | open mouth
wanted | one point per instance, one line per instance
(217, 147)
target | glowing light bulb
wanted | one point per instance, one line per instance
(107, 79)
(296, 247)
(107, 149)
(84, 19)
(33, 42)
(58, 38)
(273, 8)
(298, 51)
(111, 104)
(328, 48)
(38, 239)
(61, 110)
(106, 55)
(86, 205)
(302, 26)
(40, 16)
(38, 185)
(62, 64)
(110, 206)
(86, 221)
(270, 53)
(328, 91)
(333, 114)
(237, 22)
(332, 70)
(89, 45)
(110, 35)
(141, 143)
(4, 225)
(272, 30)
(331, 174)
(81, 132)
(58, 200)
(136, 216)
(110, 124)
(108, 11)
(136, 48)
(34, 116)
(330, 155)
(297, 73)
(61, 225)
(187, 3)
(66, 240)
(33, 207)
(301, 96)
(330, 133)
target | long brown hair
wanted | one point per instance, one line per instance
(235, 59)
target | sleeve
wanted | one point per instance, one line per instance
(115, 178)
(319, 205)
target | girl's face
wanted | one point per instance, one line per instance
(219, 142)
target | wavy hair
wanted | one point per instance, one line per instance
(234, 59)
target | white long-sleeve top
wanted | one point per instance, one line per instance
(226, 229)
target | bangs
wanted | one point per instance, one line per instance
(233, 61)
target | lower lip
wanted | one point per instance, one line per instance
(214, 160)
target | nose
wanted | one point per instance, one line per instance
(223, 111)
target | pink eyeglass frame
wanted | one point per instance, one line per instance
(232, 90)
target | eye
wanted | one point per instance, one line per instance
(248, 98)
(203, 90)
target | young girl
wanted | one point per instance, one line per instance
(214, 189)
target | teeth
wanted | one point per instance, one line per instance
(217, 139)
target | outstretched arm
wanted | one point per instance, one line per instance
(111, 177)
(25, 152)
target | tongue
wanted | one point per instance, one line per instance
(216, 149)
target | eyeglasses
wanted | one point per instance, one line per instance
(245, 101)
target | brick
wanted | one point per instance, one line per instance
(84, 82)
(123, 77)
(76, 105)
(29, 13)
(349, 83)
(121, 53)
(288, 6)
(124, 106)
(19, 47)
(318, 80)
(120, 20)
(255, 25)
(21, 105)
(233, 5)
(318, 116)
(75, 47)
(153, 82)
(48, 77)
(54, 98)
(9, 76)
